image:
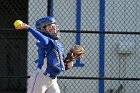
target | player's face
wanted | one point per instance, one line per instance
(52, 28)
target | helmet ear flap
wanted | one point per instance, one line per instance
(41, 29)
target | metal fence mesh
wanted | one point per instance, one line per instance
(121, 44)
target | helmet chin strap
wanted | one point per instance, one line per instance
(54, 35)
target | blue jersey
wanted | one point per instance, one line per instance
(50, 48)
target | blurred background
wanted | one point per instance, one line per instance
(109, 30)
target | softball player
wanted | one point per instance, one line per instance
(50, 57)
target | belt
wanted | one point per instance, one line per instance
(49, 75)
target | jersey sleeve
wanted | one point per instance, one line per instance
(39, 36)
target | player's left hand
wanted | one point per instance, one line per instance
(75, 52)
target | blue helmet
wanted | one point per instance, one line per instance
(40, 23)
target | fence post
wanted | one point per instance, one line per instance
(101, 45)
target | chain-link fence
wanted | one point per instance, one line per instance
(107, 29)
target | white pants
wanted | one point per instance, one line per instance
(39, 83)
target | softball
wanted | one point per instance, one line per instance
(17, 23)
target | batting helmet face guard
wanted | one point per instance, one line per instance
(43, 25)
